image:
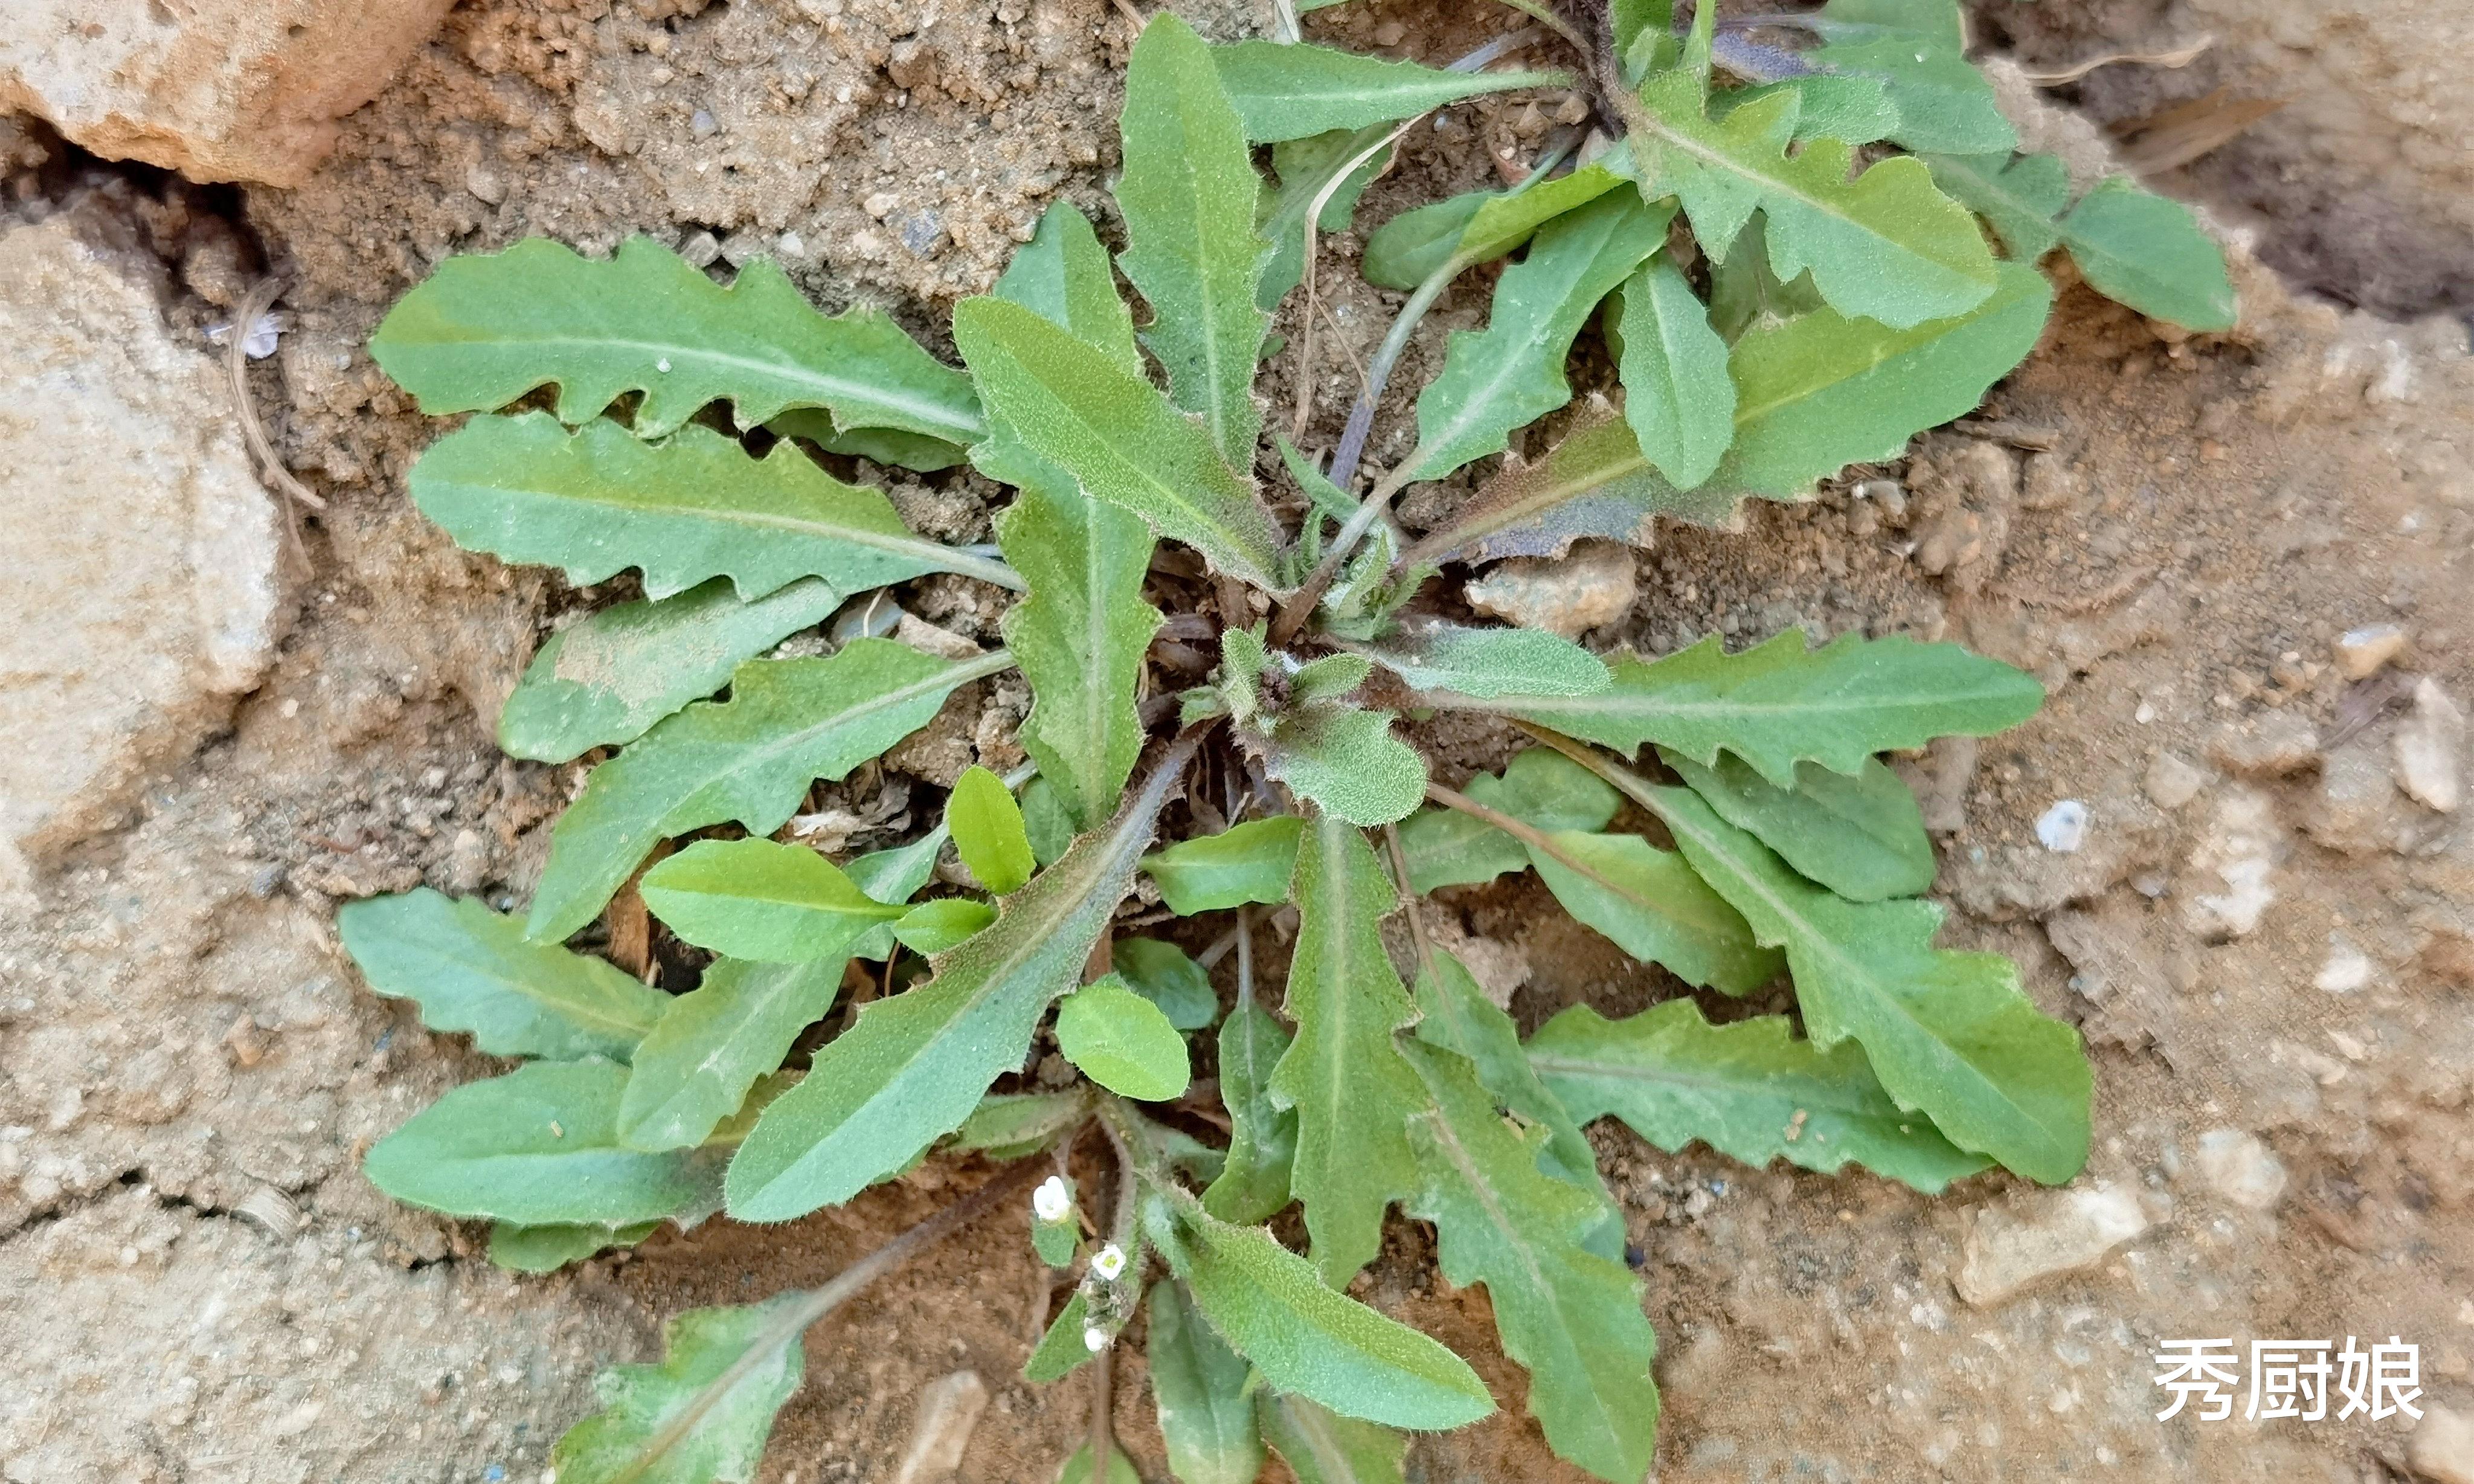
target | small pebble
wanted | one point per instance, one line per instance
(701, 249)
(2346, 969)
(2431, 749)
(2173, 781)
(2062, 828)
(2361, 653)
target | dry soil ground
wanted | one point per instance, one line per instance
(2269, 946)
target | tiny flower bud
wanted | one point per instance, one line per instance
(1109, 1263)
(1052, 1201)
(1095, 1340)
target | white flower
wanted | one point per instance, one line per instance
(1052, 1201)
(1095, 1340)
(1109, 1263)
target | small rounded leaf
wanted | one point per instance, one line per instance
(1123, 1041)
(933, 926)
(989, 831)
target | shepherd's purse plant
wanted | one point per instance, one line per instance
(1779, 230)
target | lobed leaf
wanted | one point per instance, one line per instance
(1344, 1073)
(912, 1067)
(607, 679)
(687, 508)
(1779, 703)
(2020, 195)
(1063, 276)
(1456, 1015)
(1346, 761)
(1205, 1407)
(471, 969)
(1447, 847)
(1245, 863)
(1270, 1305)
(1678, 396)
(760, 900)
(1262, 1135)
(988, 832)
(485, 330)
(1860, 835)
(1916, 51)
(1288, 91)
(1123, 1041)
(1189, 196)
(1124, 442)
(1569, 1315)
(887, 445)
(1511, 373)
(1322, 1447)
(538, 1147)
(639, 1404)
(1750, 1090)
(696, 1067)
(1432, 654)
(749, 760)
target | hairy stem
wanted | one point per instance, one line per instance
(817, 1302)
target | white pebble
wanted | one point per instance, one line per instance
(2064, 827)
(2346, 969)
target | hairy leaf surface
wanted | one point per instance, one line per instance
(716, 1040)
(749, 760)
(1290, 91)
(471, 969)
(912, 1067)
(691, 506)
(1860, 835)
(1750, 1090)
(1943, 103)
(1346, 761)
(1457, 1017)
(759, 900)
(1344, 1073)
(1678, 396)
(1571, 1316)
(1122, 439)
(1061, 1349)
(487, 329)
(1321, 1446)
(639, 1403)
(2149, 253)
(1433, 654)
(1779, 703)
(1206, 1410)
(1063, 276)
(1308, 1339)
(1011, 1125)
(1189, 197)
(1479, 227)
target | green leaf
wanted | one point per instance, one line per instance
(1947, 1033)
(912, 1067)
(1206, 1409)
(2020, 195)
(1571, 1316)
(1779, 703)
(1045, 820)
(1245, 863)
(1750, 1090)
(471, 969)
(760, 900)
(1594, 484)
(1307, 1339)
(934, 927)
(689, 507)
(1287, 91)
(1654, 908)
(1432, 654)
(1884, 245)
(549, 1249)
(2149, 253)
(1403, 252)
(1943, 103)
(1189, 195)
(893, 877)
(1344, 1073)
(640, 1402)
(1817, 394)
(1011, 1125)
(1480, 226)
(1860, 836)
(1511, 373)
(1305, 167)
(537, 1147)
(1743, 291)
(1060, 1349)
(1677, 394)
(1122, 439)
(1078, 1468)
(887, 445)
(1057, 1242)
(1322, 1447)
(485, 330)
(1081, 636)
(1447, 847)
(1456, 1015)
(1123, 1041)
(1347, 762)
(696, 1069)
(1262, 1135)
(987, 830)
(1845, 107)
(607, 678)
(749, 759)
(1163, 974)
(1063, 276)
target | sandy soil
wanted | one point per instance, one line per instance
(195, 1284)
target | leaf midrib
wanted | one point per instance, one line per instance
(583, 1014)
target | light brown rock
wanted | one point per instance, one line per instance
(2010, 1249)
(143, 588)
(1568, 595)
(949, 1410)
(2442, 1448)
(2431, 749)
(217, 90)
